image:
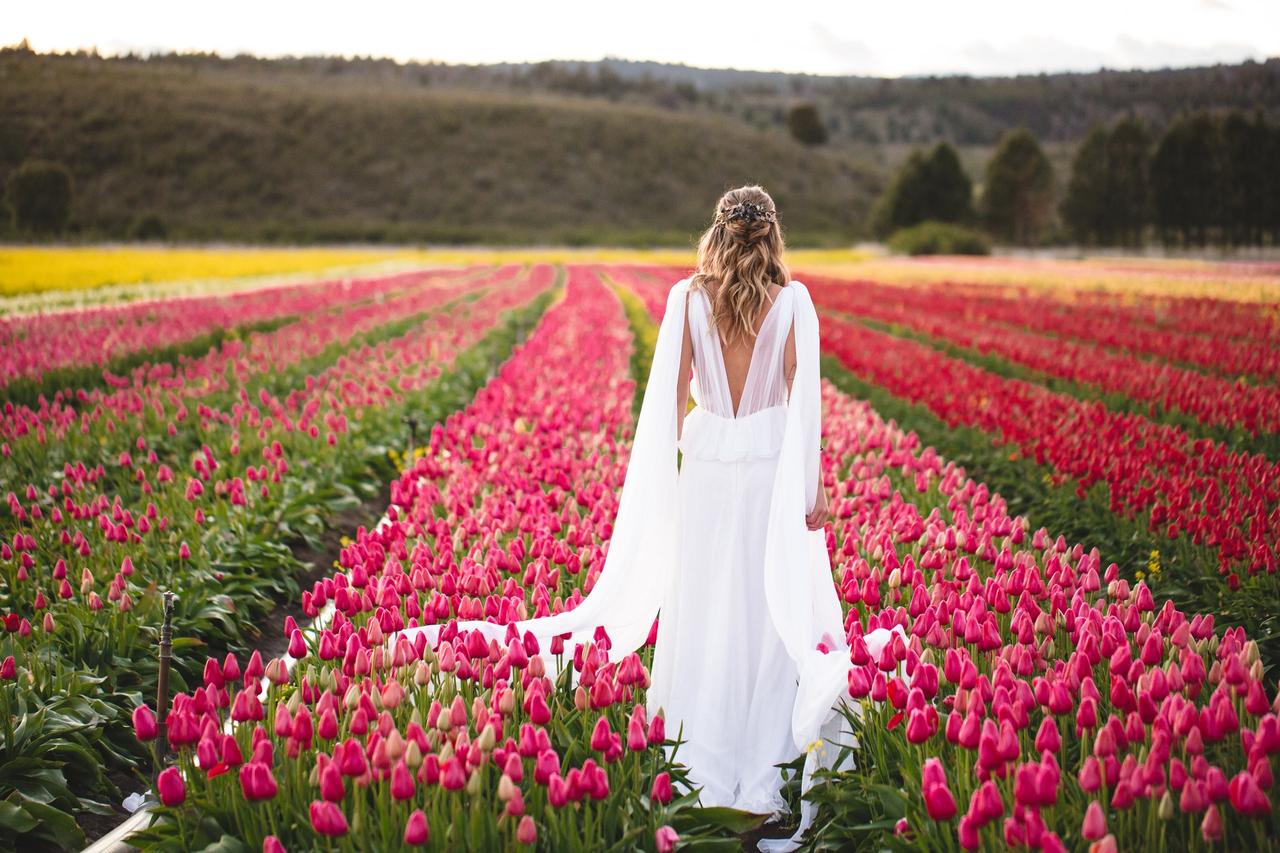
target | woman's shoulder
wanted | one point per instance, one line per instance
(801, 291)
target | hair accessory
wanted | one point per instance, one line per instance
(748, 211)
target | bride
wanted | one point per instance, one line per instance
(725, 542)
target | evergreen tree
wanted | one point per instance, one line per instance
(1017, 200)
(950, 192)
(1244, 169)
(1128, 181)
(1084, 210)
(926, 187)
(1185, 180)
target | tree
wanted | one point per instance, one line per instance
(1128, 181)
(932, 187)
(806, 124)
(950, 197)
(39, 192)
(1017, 200)
(1084, 209)
(1244, 177)
(1185, 180)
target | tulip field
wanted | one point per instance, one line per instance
(1067, 497)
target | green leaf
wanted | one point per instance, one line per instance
(15, 818)
(227, 844)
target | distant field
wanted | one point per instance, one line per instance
(50, 272)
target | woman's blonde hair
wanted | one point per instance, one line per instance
(741, 253)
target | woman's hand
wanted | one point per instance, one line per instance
(816, 519)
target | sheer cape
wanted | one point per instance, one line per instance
(639, 566)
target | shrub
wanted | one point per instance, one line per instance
(939, 238)
(805, 124)
(149, 226)
(39, 193)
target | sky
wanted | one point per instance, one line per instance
(890, 38)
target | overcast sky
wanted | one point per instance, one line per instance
(887, 38)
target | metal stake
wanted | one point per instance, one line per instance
(162, 681)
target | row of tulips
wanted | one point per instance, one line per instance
(1224, 500)
(34, 344)
(372, 741)
(1211, 400)
(1055, 700)
(1048, 703)
(1223, 337)
(203, 492)
(210, 382)
(1199, 315)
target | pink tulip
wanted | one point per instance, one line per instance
(328, 819)
(939, 802)
(527, 831)
(661, 792)
(1247, 796)
(402, 786)
(1095, 822)
(453, 776)
(331, 785)
(1211, 825)
(257, 782)
(144, 723)
(415, 829)
(271, 844)
(666, 839)
(170, 787)
(967, 832)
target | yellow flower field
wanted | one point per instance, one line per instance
(127, 272)
(1135, 278)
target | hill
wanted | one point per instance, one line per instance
(613, 151)
(285, 151)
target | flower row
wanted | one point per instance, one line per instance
(209, 505)
(375, 741)
(960, 319)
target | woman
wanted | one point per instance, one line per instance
(750, 659)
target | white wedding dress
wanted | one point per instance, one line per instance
(751, 660)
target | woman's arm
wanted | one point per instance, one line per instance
(682, 379)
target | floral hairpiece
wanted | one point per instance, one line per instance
(748, 211)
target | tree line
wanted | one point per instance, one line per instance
(1209, 179)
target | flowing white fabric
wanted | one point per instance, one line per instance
(751, 659)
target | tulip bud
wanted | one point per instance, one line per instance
(527, 831)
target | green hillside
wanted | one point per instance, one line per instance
(221, 150)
